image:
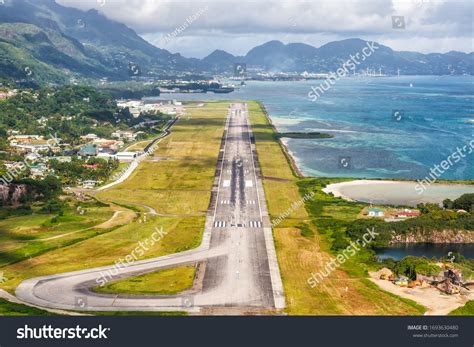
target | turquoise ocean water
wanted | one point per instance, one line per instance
(384, 127)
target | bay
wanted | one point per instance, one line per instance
(384, 127)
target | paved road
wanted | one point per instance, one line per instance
(241, 266)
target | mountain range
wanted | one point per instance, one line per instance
(46, 41)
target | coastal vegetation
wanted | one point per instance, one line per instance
(410, 266)
(340, 219)
(340, 222)
(433, 218)
(79, 170)
(464, 202)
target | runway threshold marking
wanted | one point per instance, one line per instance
(220, 224)
(255, 224)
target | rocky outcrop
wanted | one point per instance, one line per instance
(11, 194)
(439, 236)
(4, 192)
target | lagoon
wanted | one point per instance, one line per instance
(428, 250)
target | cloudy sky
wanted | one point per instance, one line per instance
(237, 26)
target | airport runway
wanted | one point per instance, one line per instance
(241, 268)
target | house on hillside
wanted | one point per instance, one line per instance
(125, 135)
(407, 214)
(90, 166)
(105, 145)
(89, 137)
(38, 170)
(375, 212)
(88, 151)
(32, 156)
(25, 139)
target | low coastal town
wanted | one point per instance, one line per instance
(35, 156)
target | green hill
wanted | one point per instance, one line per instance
(27, 51)
(55, 43)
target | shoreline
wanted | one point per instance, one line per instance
(291, 160)
(299, 172)
(361, 180)
(335, 188)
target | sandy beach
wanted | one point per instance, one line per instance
(291, 157)
(336, 188)
(396, 192)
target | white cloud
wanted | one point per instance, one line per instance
(236, 26)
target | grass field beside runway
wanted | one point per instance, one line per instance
(180, 185)
(181, 234)
(23, 237)
(8, 308)
(299, 255)
(13, 309)
(177, 179)
(164, 282)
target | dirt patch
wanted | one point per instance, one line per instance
(119, 217)
(237, 311)
(199, 277)
(436, 302)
